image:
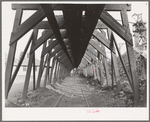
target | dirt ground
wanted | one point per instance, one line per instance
(71, 92)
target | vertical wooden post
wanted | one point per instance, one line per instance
(52, 68)
(57, 73)
(19, 63)
(101, 73)
(97, 71)
(112, 71)
(12, 51)
(55, 70)
(105, 64)
(131, 57)
(41, 68)
(35, 34)
(106, 71)
(33, 70)
(85, 72)
(47, 69)
(114, 62)
(94, 71)
(62, 74)
(26, 84)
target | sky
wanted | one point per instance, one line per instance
(8, 19)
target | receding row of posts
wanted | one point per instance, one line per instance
(59, 57)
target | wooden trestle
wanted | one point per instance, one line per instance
(78, 40)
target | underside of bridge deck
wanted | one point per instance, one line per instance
(73, 39)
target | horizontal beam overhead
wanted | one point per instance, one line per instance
(45, 24)
(108, 7)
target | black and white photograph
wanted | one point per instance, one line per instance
(75, 60)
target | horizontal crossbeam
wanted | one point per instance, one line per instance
(108, 7)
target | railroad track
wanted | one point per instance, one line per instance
(82, 92)
(85, 98)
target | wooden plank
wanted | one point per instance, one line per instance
(112, 73)
(91, 56)
(117, 7)
(57, 73)
(35, 34)
(107, 72)
(51, 73)
(49, 48)
(48, 33)
(19, 63)
(88, 57)
(62, 73)
(54, 45)
(33, 62)
(45, 36)
(94, 71)
(84, 61)
(102, 38)
(116, 27)
(25, 89)
(114, 61)
(131, 57)
(47, 69)
(55, 27)
(65, 61)
(123, 64)
(45, 24)
(11, 54)
(108, 7)
(59, 53)
(97, 71)
(87, 60)
(101, 72)
(28, 73)
(40, 69)
(92, 50)
(27, 25)
(106, 67)
(56, 66)
(97, 47)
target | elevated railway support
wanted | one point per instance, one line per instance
(73, 39)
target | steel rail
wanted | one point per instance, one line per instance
(58, 100)
(85, 98)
